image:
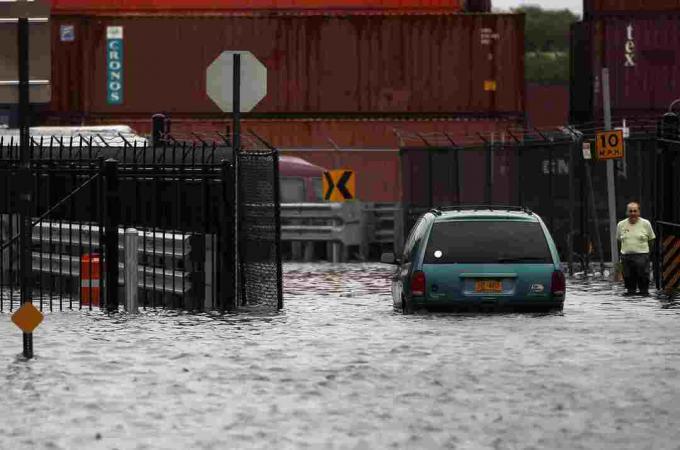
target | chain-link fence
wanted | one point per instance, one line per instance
(544, 170)
(259, 230)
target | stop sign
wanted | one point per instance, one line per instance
(220, 81)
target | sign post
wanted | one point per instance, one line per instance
(611, 187)
(31, 20)
(236, 81)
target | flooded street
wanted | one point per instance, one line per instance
(338, 368)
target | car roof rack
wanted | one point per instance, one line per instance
(439, 210)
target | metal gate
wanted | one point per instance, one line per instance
(181, 198)
(667, 180)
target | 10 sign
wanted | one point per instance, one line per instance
(609, 145)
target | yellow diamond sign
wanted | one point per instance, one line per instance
(27, 318)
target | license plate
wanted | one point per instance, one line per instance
(488, 286)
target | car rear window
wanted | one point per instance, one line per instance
(477, 242)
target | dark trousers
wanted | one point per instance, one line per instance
(636, 272)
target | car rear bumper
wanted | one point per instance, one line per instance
(486, 303)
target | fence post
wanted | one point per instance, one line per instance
(131, 271)
(488, 197)
(111, 220)
(227, 240)
(657, 259)
(573, 147)
(277, 218)
(158, 122)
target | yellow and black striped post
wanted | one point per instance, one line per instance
(670, 263)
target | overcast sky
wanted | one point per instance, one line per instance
(574, 5)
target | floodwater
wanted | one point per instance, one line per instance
(338, 368)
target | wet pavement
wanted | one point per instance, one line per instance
(338, 368)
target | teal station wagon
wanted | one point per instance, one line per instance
(478, 257)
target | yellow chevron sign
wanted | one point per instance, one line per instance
(339, 185)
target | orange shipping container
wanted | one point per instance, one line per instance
(317, 63)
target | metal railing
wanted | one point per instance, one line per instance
(342, 225)
(71, 240)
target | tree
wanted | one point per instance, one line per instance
(547, 44)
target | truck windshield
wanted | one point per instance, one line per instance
(487, 242)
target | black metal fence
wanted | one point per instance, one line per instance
(544, 170)
(667, 176)
(180, 196)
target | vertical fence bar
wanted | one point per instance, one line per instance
(657, 259)
(131, 279)
(277, 238)
(430, 181)
(228, 280)
(570, 237)
(456, 156)
(111, 234)
(488, 191)
(155, 217)
(36, 211)
(3, 237)
(551, 169)
(70, 218)
(101, 211)
(595, 217)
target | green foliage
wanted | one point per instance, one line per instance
(547, 68)
(547, 30)
(547, 44)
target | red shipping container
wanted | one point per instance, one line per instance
(350, 64)
(643, 58)
(131, 6)
(547, 105)
(631, 7)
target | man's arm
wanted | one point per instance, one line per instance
(652, 237)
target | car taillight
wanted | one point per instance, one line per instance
(559, 284)
(418, 284)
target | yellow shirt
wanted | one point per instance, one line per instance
(635, 237)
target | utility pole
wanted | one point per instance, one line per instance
(611, 186)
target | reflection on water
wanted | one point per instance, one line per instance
(338, 368)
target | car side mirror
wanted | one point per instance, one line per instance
(388, 258)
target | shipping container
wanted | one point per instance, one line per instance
(628, 7)
(547, 105)
(642, 55)
(477, 5)
(136, 6)
(318, 64)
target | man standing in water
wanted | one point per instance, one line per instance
(636, 238)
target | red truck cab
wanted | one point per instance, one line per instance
(300, 180)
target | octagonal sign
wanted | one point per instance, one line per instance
(220, 81)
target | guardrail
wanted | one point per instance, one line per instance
(166, 259)
(340, 225)
(384, 220)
